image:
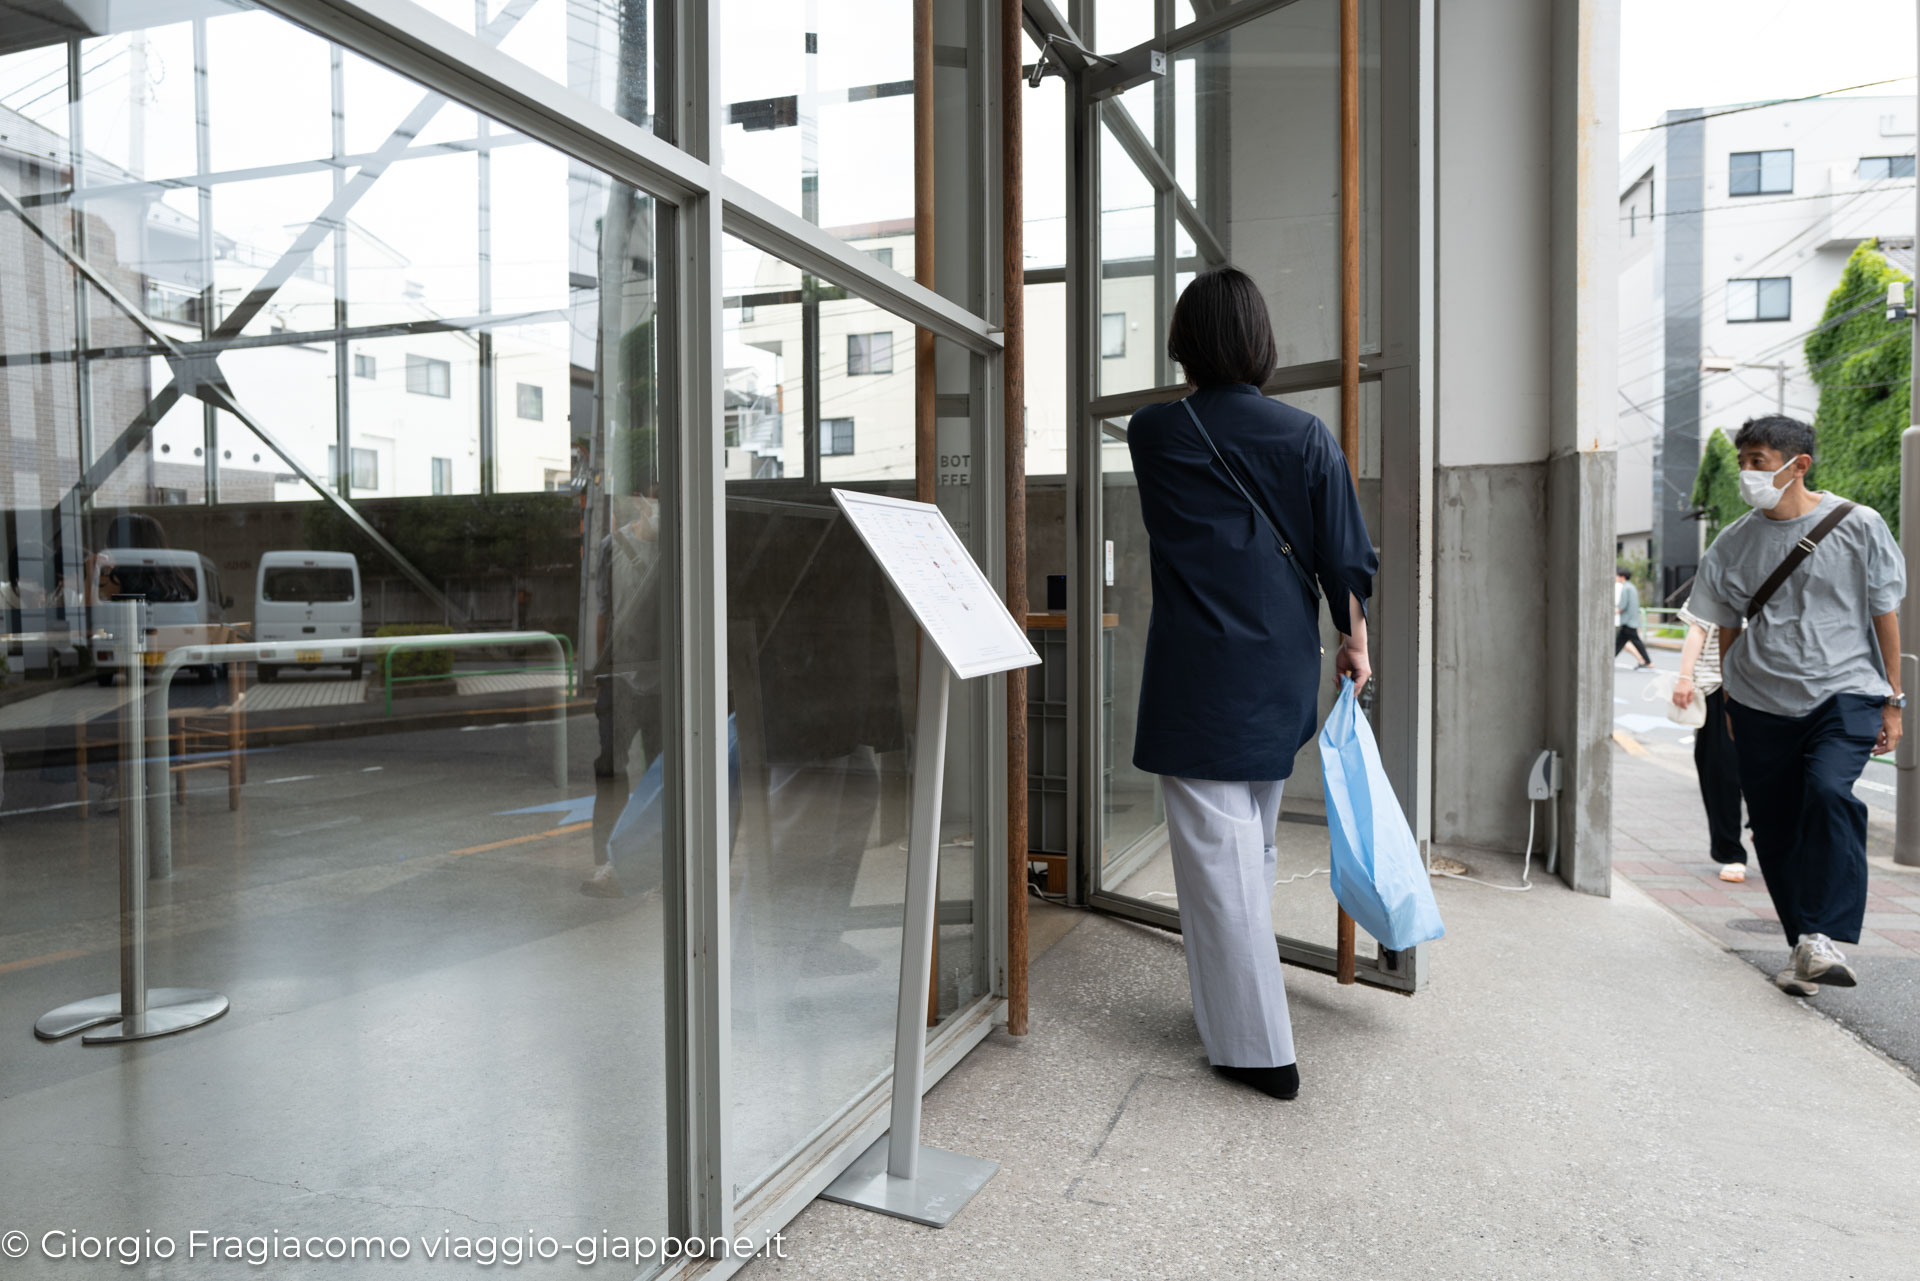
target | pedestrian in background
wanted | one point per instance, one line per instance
(1714, 760)
(1627, 618)
(1804, 590)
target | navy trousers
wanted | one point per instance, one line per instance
(1809, 829)
(1718, 766)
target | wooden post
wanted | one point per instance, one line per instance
(925, 385)
(1349, 312)
(1014, 381)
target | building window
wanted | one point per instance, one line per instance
(530, 401)
(1760, 173)
(1768, 298)
(428, 377)
(558, 481)
(363, 366)
(1113, 334)
(366, 468)
(442, 476)
(883, 255)
(836, 436)
(1874, 168)
(870, 353)
(746, 313)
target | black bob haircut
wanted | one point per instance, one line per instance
(1220, 331)
(1776, 431)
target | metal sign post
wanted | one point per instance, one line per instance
(965, 630)
(136, 1011)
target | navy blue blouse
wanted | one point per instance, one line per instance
(1232, 669)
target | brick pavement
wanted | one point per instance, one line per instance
(1660, 844)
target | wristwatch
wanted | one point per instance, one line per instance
(1898, 700)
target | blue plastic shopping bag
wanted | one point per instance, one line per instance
(636, 845)
(1376, 872)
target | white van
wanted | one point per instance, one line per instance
(184, 604)
(307, 597)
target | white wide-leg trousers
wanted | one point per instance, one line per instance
(1223, 870)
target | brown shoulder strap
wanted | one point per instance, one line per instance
(1801, 550)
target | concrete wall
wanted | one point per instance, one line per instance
(1523, 492)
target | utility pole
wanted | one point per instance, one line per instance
(1906, 832)
(1711, 364)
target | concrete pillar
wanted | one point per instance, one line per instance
(1524, 476)
(1582, 320)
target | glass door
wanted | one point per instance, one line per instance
(1232, 155)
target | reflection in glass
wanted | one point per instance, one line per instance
(820, 672)
(425, 862)
(1266, 89)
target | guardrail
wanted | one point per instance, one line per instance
(159, 818)
(565, 665)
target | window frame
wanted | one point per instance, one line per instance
(830, 437)
(862, 343)
(1859, 171)
(356, 455)
(1759, 317)
(427, 366)
(1759, 171)
(539, 414)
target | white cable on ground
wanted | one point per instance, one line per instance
(1526, 868)
(1297, 876)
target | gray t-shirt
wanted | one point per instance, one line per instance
(1626, 605)
(1814, 638)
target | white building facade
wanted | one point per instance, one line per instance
(1735, 225)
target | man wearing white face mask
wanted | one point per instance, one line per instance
(1804, 590)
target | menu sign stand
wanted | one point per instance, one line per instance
(965, 631)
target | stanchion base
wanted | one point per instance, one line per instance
(169, 1010)
(945, 1183)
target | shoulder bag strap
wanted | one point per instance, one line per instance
(1801, 550)
(1286, 548)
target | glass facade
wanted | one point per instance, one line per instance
(354, 584)
(255, 364)
(422, 576)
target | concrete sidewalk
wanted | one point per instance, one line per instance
(1660, 844)
(1588, 1088)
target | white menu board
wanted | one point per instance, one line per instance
(930, 568)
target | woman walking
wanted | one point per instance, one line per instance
(1251, 514)
(1714, 759)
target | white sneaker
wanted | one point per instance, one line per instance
(1817, 960)
(1793, 985)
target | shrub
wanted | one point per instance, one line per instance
(419, 662)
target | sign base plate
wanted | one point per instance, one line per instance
(945, 1183)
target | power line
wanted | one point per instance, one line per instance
(1757, 106)
(1783, 200)
(1644, 341)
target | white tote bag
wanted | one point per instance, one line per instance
(1660, 689)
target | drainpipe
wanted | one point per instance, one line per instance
(1013, 381)
(1349, 318)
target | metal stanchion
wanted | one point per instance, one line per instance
(1906, 831)
(898, 1175)
(136, 1011)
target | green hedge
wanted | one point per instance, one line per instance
(419, 662)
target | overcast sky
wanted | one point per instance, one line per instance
(1703, 53)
